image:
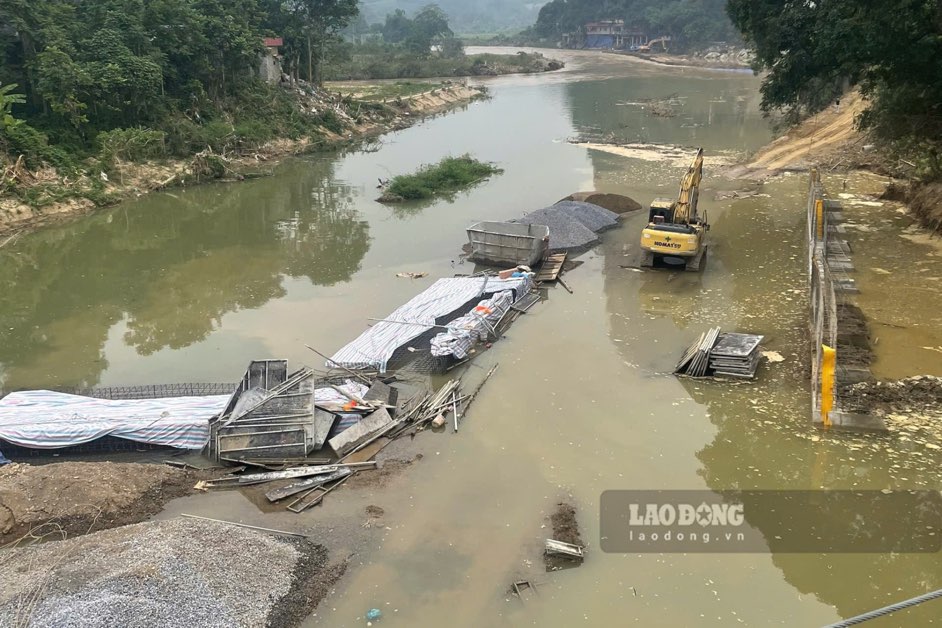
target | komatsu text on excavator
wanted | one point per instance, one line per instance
(676, 232)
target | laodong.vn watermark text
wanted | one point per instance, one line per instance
(777, 521)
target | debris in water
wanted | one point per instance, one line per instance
(773, 356)
(566, 543)
(566, 549)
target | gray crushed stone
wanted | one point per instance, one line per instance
(180, 572)
(592, 216)
(566, 232)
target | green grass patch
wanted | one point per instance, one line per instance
(449, 175)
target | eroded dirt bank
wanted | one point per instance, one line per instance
(827, 139)
(59, 500)
(925, 201)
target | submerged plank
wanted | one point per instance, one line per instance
(354, 436)
(567, 549)
(296, 487)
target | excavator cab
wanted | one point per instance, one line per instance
(662, 210)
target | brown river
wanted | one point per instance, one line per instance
(190, 285)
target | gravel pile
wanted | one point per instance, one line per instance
(180, 572)
(566, 232)
(573, 225)
(613, 202)
(592, 216)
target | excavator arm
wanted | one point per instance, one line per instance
(685, 211)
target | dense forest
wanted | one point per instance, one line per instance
(422, 45)
(811, 52)
(79, 75)
(692, 23)
(466, 16)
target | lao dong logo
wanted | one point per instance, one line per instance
(704, 515)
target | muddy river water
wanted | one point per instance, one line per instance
(191, 284)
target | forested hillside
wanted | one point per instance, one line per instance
(811, 52)
(691, 23)
(465, 16)
(164, 75)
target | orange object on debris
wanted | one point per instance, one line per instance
(350, 405)
(483, 309)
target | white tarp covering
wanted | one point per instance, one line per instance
(463, 333)
(375, 346)
(44, 419)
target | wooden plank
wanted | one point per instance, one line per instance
(551, 267)
(314, 497)
(286, 474)
(358, 434)
(302, 485)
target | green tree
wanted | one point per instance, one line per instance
(187, 68)
(429, 27)
(7, 100)
(397, 27)
(320, 21)
(889, 48)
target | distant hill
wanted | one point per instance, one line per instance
(465, 16)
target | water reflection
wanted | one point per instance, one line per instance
(720, 113)
(170, 266)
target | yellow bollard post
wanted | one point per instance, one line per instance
(819, 218)
(828, 365)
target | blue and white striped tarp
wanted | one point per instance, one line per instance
(44, 419)
(375, 347)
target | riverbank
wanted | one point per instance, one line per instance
(888, 234)
(56, 198)
(707, 60)
(831, 142)
(61, 500)
(379, 62)
(827, 140)
(710, 59)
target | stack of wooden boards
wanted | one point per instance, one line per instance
(721, 354)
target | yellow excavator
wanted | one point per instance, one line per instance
(676, 231)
